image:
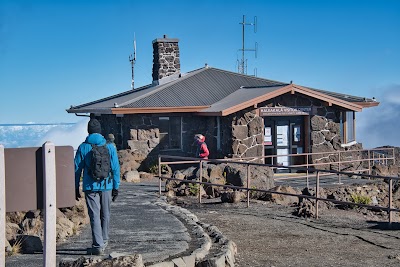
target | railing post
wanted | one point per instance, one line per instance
(2, 207)
(394, 158)
(159, 175)
(50, 208)
(248, 185)
(339, 179)
(308, 182)
(200, 179)
(317, 195)
(390, 200)
(369, 163)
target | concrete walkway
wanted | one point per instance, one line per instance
(138, 225)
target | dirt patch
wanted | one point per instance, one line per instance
(268, 234)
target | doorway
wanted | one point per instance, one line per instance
(284, 135)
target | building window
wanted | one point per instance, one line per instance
(170, 132)
(350, 133)
(347, 127)
(217, 132)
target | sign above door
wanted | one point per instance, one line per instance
(285, 111)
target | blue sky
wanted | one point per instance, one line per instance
(54, 54)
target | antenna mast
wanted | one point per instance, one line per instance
(132, 59)
(242, 64)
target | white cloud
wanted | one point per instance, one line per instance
(72, 136)
(380, 126)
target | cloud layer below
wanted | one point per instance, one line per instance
(380, 126)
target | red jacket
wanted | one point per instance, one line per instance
(202, 149)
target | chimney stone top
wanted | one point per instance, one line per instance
(165, 39)
(166, 60)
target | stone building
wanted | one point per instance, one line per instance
(240, 115)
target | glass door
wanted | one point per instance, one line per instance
(283, 136)
(282, 142)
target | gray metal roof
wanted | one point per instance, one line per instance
(240, 96)
(110, 101)
(207, 86)
(200, 88)
(346, 97)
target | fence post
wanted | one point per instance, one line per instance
(308, 183)
(200, 179)
(159, 175)
(390, 200)
(339, 180)
(369, 163)
(394, 158)
(248, 185)
(317, 195)
(2, 207)
(50, 208)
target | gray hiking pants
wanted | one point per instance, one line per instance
(98, 204)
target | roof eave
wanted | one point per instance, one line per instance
(157, 110)
(210, 114)
(368, 104)
(329, 99)
(90, 110)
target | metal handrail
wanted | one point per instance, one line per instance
(318, 172)
(367, 152)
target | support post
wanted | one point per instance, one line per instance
(339, 169)
(390, 200)
(308, 182)
(369, 163)
(248, 185)
(50, 208)
(159, 175)
(394, 157)
(317, 195)
(200, 179)
(2, 207)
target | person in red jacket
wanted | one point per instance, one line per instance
(202, 150)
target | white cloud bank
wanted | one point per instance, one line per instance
(73, 136)
(380, 126)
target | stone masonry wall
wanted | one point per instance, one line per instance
(246, 134)
(111, 124)
(325, 138)
(240, 133)
(199, 125)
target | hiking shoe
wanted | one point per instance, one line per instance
(95, 251)
(105, 244)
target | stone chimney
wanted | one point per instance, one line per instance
(166, 60)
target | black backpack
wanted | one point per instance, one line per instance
(100, 165)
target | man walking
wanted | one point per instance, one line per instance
(93, 157)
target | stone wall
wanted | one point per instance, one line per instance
(325, 138)
(199, 125)
(246, 136)
(240, 133)
(112, 124)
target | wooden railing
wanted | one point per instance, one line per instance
(316, 173)
(367, 158)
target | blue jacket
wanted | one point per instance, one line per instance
(82, 162)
